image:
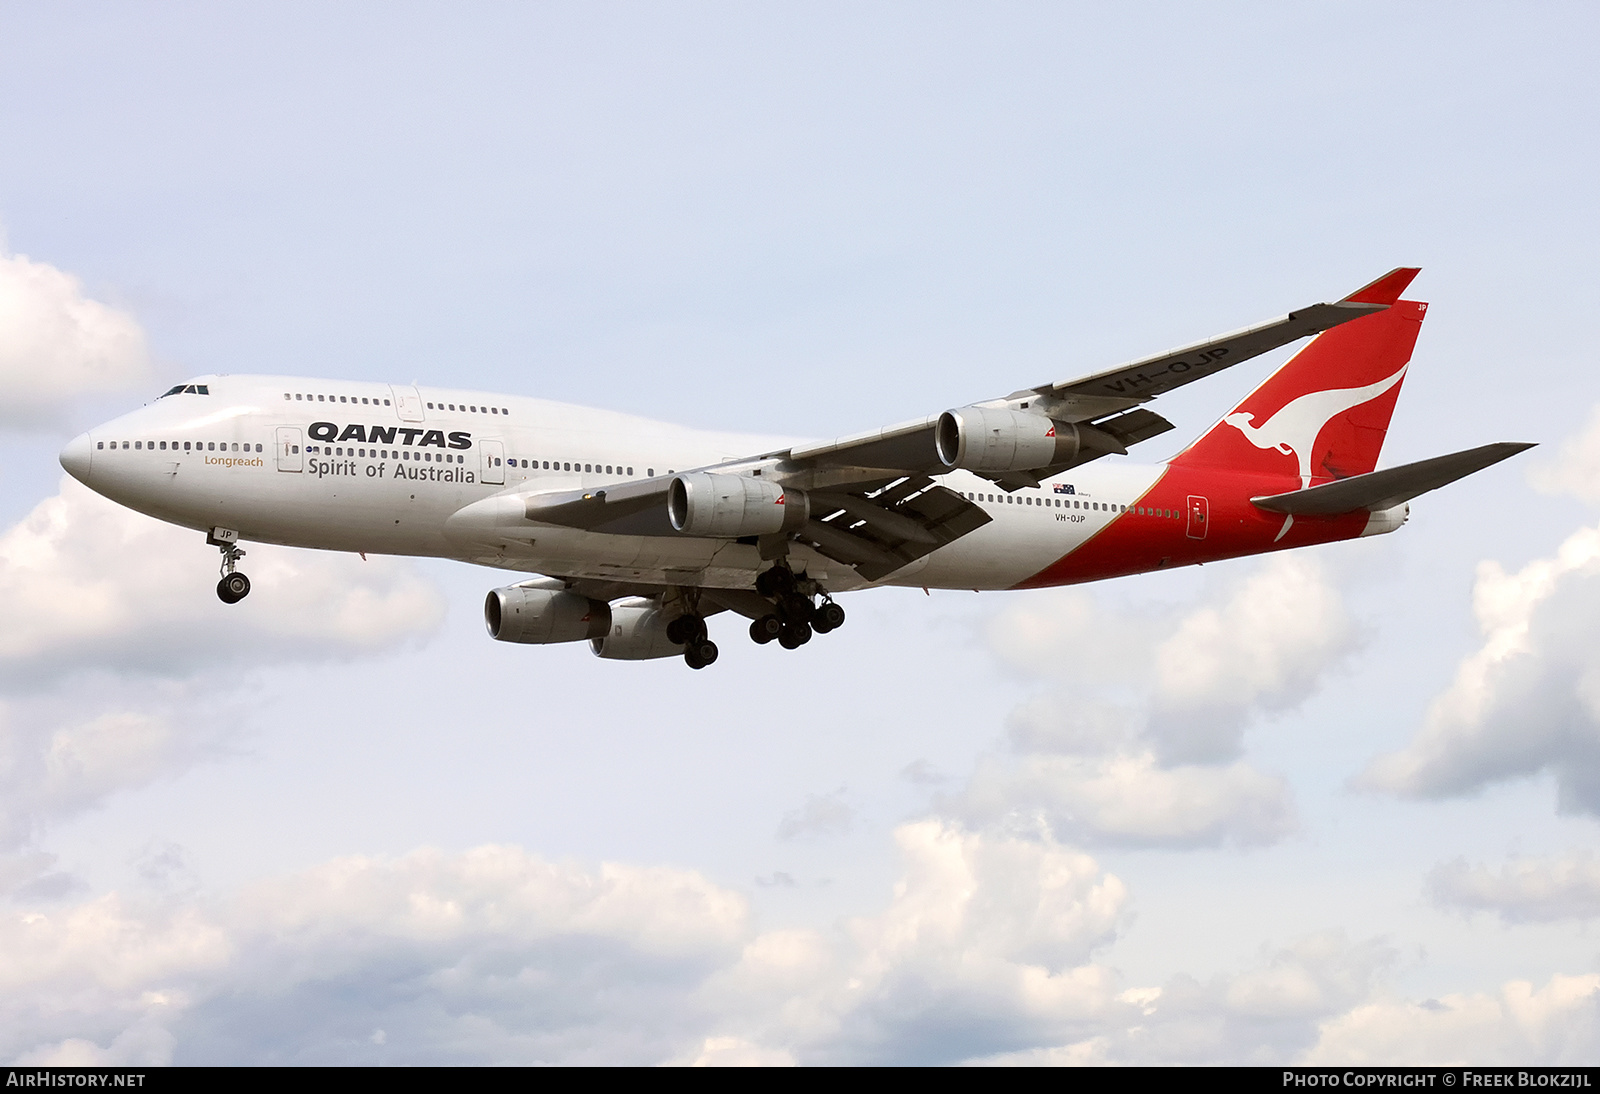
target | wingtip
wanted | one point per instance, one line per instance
(1387, 289)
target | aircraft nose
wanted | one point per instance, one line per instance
(77, 456)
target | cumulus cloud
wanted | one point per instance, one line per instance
(1557, 1024)
(985, 946)
(111, 634)
(1265, 647)
(1266, 1014)
(1129, 798)
(1528, 700)
(56, 344)
(492, 955)
(496, 955)
(1137, 734)
(990, 949)
(1525, 890)
(1575, 469)
(87, 583)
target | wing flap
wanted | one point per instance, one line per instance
(894, 527)
(1378, 490)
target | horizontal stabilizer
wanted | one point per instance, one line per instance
(1385, 489)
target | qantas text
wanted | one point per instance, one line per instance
(386, 434)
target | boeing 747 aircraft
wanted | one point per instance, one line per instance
(640, 531)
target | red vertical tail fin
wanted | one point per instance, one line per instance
(1324, 414)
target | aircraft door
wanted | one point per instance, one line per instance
(288, 446)
(1197, 517)
(407, 403)
(492, 455)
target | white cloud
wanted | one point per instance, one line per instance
(1129, 798)
(488, 955)
(112, 633)
(56, 344)
(1136, 737)
(989, 950)
(87, 583)
(1526, 890)
(985, 946)
(1265, 647)
(1558, 1024)
(1193, 675)
(1575, 470)
(1267, 1014)
(1528, 700)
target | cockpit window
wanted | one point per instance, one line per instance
(186, 389)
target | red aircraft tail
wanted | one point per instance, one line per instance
(1324, 414)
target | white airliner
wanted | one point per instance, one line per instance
(641, 530)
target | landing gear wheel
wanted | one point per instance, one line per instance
(794, 635)
(765, 629)
(700, 654)
(828, 617)
(686, 630)
(233, 588)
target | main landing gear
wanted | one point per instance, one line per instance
(795, 616)
(234, 586)
(689, 631)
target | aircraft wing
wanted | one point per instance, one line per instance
(1106, 403)
(870, 498)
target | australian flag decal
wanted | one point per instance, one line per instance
(1064, 488)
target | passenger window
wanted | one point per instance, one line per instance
(630, 470)
(587, 468)
(124, 445)
(649, 472)
(342, 399)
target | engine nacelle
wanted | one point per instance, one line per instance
(730, 506)
(978, 438)
(519, 614)
(638, 633)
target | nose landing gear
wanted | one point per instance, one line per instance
(234, 586)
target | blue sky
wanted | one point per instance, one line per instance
(337, 823)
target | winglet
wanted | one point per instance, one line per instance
(1386, 290)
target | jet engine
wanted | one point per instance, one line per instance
(982, 439)
(520, 614)
(730, 506)
(638, 633)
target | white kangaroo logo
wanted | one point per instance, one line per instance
(1294, 429)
